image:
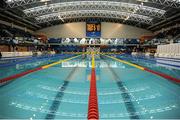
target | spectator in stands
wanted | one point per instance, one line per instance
(98, 41)
(36, 41)
(68, 40)
(116, 41)
(16, 49)
(76, 40)
(0, 55)
(102, 41)
(15, 41)
(109, 41)
(83, 41)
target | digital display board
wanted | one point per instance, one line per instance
(93, 29)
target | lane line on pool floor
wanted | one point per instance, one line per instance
(125, 94)
(146, 69)
(93, 98)
(3, 80)
(57, 100)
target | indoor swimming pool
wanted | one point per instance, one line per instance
(61, 91)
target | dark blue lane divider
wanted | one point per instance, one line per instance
(57, 100)
(125, 95)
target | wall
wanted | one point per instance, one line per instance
(4, 48)
(108, 30)
(116, 30)
(71, 30)
(7, 48)
(22, 49)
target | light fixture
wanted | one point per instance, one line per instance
(44, 0)
(60, 18)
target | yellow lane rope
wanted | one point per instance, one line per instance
(125, 62)
(58, 62)
(93, 61)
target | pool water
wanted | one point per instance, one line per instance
(153, 65)
(62, 92)
(15, 66)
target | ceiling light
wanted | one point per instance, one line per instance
(44, 0)
(60, 18)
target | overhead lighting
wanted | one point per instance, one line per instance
(13, 1)
(60, 18)
(92, 13)
(142, 0)
(10, 1)
(135, 10)
(55, 6)
(126, 18)
(44, 0)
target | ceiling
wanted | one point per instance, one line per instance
(37, 14)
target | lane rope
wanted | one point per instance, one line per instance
(34, 70)
(125, 62)
(146, 69)
(93, 98)
(58, 62)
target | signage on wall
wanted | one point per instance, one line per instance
(93, 29)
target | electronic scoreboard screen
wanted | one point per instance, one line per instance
(93, 29)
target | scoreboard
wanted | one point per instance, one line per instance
(93, 29)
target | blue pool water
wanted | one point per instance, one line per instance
(62, 91)
(153, 64)
(14, 66)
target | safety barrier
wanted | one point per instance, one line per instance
(33, 70)
(146, 69)
(93, 99)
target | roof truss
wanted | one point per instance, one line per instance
(94, 13)
(18, 3)
(94, 5)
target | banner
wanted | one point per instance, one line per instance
(93, 29)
